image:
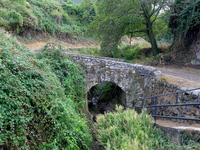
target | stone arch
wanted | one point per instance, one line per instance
(126, 76)
(90, 85)
(122, 94)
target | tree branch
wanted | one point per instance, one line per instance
(158, 10)
(125, 12)
(2, 4)
(139, 31)
(153, 11)
(145, 12)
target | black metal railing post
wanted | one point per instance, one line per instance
(176, 98)
(143, 103)
(155, 111)
(166, 105)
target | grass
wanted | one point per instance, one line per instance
(167, 79)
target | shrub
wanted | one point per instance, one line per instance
(133, 53)
(40, 99)
(125, 129)
(90, 51)
(47, 15)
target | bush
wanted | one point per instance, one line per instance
(49, 16)
(90, 51)
(125, 129)
(40, 99)
(128, 130)
(133, 52)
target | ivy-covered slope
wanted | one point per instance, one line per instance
(185, 23)
(29, 17)
(40, 102)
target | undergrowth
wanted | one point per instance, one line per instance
(128, 130)
(40, 99)
(24, 17)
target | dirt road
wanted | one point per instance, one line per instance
(182, 76)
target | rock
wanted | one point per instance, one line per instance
(186, 98)
(91, 76)
(176, 112)
(195, 93)
(168, 85)
(195, 62)
(188, 92)
(174, 134)
(193, 113)
(184, 89)
(198, 55)
(112, 67)
(187, 109)
(180, 121)
(157, 73)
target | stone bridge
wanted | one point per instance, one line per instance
(135, 80)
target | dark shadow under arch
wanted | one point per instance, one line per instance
(104, 96)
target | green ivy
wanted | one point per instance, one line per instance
(48, 16)
(187, 15)
(41, 97)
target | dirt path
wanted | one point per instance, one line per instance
(169, 123)
(184, 77)
(75, 44)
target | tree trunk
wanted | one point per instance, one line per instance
(151, 37)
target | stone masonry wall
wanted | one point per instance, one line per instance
(137, 81)
(160, 86)
(100, 69)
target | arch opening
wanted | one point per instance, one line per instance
(103, 97)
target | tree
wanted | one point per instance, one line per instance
(185, 23)
(116, 18)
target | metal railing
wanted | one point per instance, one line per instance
(167, 105)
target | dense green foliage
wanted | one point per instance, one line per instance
(61, 19)
(128, 52)
(74, 1)
(185, 15)
(128, 130)
(184, 23)
(40, 100)
(130, 17)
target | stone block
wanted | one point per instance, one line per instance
(198, 55)
(195, 62)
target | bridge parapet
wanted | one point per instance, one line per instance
(94, 57)
(115, 64)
